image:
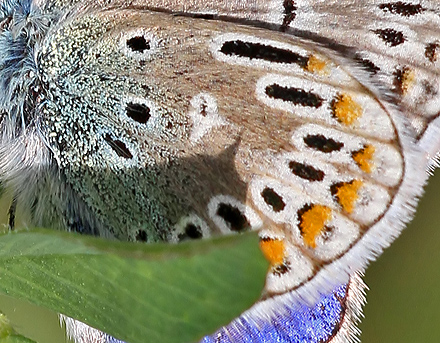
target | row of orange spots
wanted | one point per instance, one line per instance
(312, 221)
(345, 109)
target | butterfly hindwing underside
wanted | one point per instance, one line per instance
(151, 124)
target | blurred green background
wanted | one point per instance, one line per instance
(403, 300)
(404, 297)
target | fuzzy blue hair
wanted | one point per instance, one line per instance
(23, 27)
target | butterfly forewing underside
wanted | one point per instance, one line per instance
(165, 122)
(396, 42)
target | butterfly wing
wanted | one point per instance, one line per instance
(164, 127)
(396, 42)
(332, 319)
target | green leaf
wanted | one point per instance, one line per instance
(135, 292)
(8, 334)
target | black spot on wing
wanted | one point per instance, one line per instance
(305, 171)
(118, 147)
(432, 51)
(262, 52)
(401, 8)
(281, 269)
(138, 112)
(141, 236)
(236, 220)
(390, 36)
(322, 143)
(294, 95)
(192, 231)
(273, 199)
(289, 12)
(138, 44)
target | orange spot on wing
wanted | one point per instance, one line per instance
(273, 250)
(345, 109)
(312, 222)
(407, 80)
(347, 193)
(364, 157)
(316, 65)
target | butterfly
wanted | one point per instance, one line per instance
(310, 121)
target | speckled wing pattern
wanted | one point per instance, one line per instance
(396, 42)
(211, 126)
(310, 121)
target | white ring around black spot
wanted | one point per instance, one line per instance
(147, 116)
(184, 222)
(120, 152)
(139, 44)
(221, 201)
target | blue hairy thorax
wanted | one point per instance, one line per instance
(23, 27)
(24, 154)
